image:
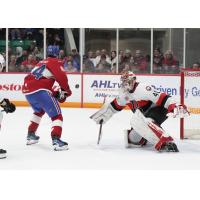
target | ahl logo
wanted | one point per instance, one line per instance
(104, 84)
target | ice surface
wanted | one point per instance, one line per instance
(81, 133)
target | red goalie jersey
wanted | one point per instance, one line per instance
(44, 75)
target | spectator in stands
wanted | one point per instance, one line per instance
(2, 63)
(88, 65)
(10, 51)
(15, 34)
(104, 64)
(104, 52)
(114, 68)
(121, 56)
(69, 67)
(170, 64)
(97, 57)
(124, 59)
(12, 67)
(32, 46)
(157, 60)
(196, 65)
(140, 62)
(28, 64)
(127, 56)
(90, 56)
(113, 58)
(74, 62)
(58, 40)
(61, 55)
(76, 58)
(21, 56)
(37, 54)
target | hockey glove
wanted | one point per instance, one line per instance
(178, 111)
(60, 95)
(7, 106)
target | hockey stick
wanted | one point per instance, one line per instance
(100, 127)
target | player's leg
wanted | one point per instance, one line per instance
(52, 108)
(38, 112)
(133, 139)
(153, 133)
(2, 151)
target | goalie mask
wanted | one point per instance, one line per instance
(128, 79)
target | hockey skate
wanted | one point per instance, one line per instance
(32, 139)
(169, 147)
(2, 153)
(58, 144)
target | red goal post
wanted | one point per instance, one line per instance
(190, 96)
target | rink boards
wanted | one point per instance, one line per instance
(88, 90)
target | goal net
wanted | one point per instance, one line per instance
(190, 96)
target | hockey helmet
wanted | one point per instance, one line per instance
(127, 79)
(128, 76)
(53, 50)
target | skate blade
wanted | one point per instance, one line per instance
(30, 142)
(3, 156)
(64, 148)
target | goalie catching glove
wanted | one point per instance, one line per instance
(178, 111)
(60, 95)
(7, 106)
(104, 114)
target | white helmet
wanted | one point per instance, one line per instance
(127, 79)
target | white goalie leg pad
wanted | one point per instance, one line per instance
(104, 114)
(133, 139)
(149, 130)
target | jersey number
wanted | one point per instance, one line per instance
(156, 93)
(38, 72)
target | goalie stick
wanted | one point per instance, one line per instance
(100, 127)
(101, 124)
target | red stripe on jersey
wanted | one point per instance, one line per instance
(161, 98)
(142, 103)
(117, 105)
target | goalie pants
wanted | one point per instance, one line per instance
(43, 102)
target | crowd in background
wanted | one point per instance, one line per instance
(100, 61)
(137, 62)
(26, 50)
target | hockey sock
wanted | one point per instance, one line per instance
(56, 129)
(35, 121)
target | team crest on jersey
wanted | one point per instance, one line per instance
(148, 88)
